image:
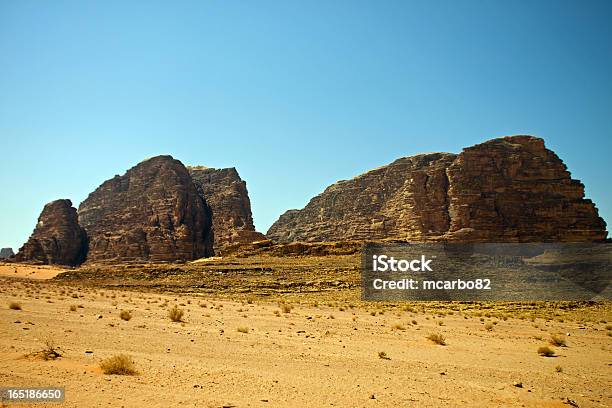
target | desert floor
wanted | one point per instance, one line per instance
(309, 352)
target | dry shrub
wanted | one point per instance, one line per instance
(437, 338)
(125, 315)
(546, 351)
(14, 306)
(176, 314)
(73, 308)
(120, 364)
(50, 351)
(286, 307)
(558, 340)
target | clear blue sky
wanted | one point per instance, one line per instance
(295, 94)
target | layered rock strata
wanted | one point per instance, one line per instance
(511, 189)
(152, 213)
(57, 238)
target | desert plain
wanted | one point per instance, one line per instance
(289, 331)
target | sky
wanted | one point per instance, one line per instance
(295, 94)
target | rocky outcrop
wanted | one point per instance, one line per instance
(151, 213)
(57, 238)
(510, 189)
(6, 253)
(228, 198)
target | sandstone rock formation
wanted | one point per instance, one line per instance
(6, 253)
(151, 213)
(228, 198)
(510, 189)
(57, 238)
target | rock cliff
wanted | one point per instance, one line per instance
(57, 237)
(151, 213)
(228, 198)
(510, 189)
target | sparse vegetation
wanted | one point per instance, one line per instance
(73, 308)
(243, 329)
(126, 315)
(50, 351)
(488, 326)
(398, 326)
(120, 364)
(286, 307)
(558, 340)
(437, 338)
(559, 369)
(176, 314)
(546, 351)
(14, 306)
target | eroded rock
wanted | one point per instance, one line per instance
(151, 213)
(57, 239)
(510, 189)
(228, 198)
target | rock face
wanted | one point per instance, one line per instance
(57, 238)
(151, 213)
(510, 189)
(6, 253)
(228, 198)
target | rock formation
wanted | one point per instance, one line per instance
(6, 253)
(57, 238)
(228, 198)
(151, 213)
(510, 189)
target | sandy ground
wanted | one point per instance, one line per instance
(315, 355)
(29, 271)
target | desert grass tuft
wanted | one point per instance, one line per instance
(546, 351)
(558, 340)
(437, 338)
(120, 364)
(176, 314)
(398, 326)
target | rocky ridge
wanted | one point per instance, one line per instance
(511, 189)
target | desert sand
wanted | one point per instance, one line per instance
(235, 349)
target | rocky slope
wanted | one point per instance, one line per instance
(57, 238)
(152, 213)
(228, 198)
(510, 189)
